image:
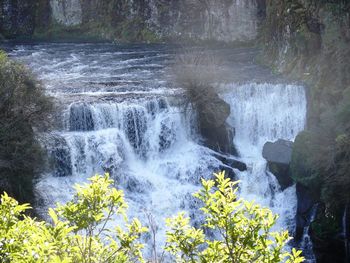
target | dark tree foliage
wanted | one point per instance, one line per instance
(23, 109)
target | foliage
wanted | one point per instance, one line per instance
(321, 161)
(321, 156)
(23, 108)
(80, 232)
(243, 230)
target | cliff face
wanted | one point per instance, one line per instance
(134, 20)
(309, 40)
(16, 18)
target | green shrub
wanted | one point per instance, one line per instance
(23, 108)
(79, 232)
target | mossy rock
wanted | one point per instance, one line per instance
(301, 167)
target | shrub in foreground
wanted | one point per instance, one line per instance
(79, 233)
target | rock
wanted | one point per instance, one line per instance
(61, 158)
(304, 209)
(279, 156)
(17, 18)
(326, 235)
(5, 164)
(66, 12)
(80, 118)
(278, 152)
(212, 115)
(131, 20)
(231, 162)
(219, 139)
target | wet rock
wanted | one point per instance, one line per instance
(212, 116)
(61, 158)
(327, 239)
(304, 209)
(167, 137)
(17, 18)
(135, 123)
(80, 118)
(231, 162)
(278, 152)
(137, 20)
(279, 155)
(66, 12)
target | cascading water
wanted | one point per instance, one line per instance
(261, 113)
(306, 243)
(145, 145)
(120, 116)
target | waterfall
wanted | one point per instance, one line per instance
(148, 148)
(261, 113)
(118, 115)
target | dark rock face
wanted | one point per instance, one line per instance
(17, 18)
(305, 206)
(137, 20)
(327, 238)
(278, 152)
(80, 118)
(61, 158)
(212, 115)
(230, 164)
(279, 156)
(309, 41)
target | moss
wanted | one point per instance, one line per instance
(58, 32)
(149, 36)
(301, 165)
(135, 30)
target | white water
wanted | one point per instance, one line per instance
(261, 113)
(148, 148)
(306, 243)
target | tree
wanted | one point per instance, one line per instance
(24, 107)
(242, 230)
(79, 230)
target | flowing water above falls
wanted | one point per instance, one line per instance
(117, 114)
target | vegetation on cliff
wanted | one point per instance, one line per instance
(23, 108)
(79, 230)
(310, 41)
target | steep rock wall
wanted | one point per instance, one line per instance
(310, 40)
(16, 18)
(67, 13)
(136, 20)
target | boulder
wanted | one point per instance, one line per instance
(305, 205)
(230, 164)
(278, 152)
(279, 155)
(212, 115)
